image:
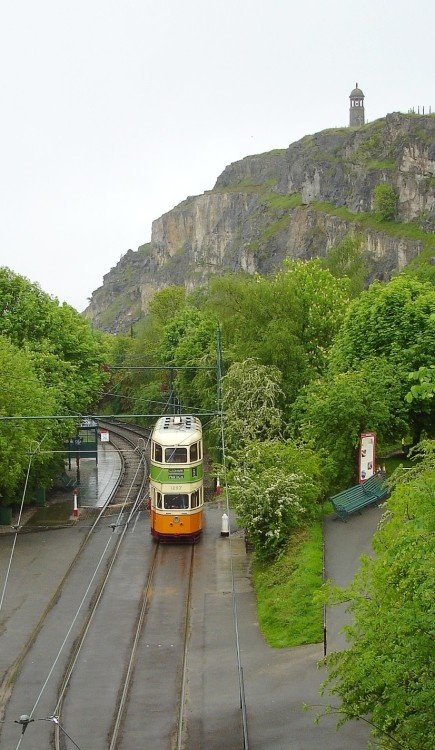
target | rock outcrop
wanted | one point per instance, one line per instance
(290, 203)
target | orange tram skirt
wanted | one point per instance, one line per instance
(181, 527)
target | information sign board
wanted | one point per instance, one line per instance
(367, 455)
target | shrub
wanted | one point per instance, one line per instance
(385, 201)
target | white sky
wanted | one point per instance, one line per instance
(115, 111)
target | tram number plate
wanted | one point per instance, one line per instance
(176, 487)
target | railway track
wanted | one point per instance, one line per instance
(129, 491)
(152, 663)
(123, 683)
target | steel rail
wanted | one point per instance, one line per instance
(185, 651)
(130, 667)
(6, 684)
(80, 641)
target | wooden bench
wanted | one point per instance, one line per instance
(352, 500)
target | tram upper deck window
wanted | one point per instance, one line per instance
(176, 455)
(158, 452)
(194, 452)
(176, 502)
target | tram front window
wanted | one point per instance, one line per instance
(176, 502)
(176, 455)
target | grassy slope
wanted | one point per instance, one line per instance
(285, 591)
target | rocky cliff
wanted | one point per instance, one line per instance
(290, 203)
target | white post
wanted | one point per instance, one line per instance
(75, 509)
(225, 528)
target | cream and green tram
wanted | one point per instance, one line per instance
(176, 479)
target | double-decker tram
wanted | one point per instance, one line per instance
(176, 479)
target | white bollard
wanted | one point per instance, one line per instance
(225, 529)
(75, 509)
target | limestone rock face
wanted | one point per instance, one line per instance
(283, 204)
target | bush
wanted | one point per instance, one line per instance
(385, 201)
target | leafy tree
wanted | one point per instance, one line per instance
(288, 320)
(166, 303)
(385, 201)
(189, 341)
(393, 320)
(396, 322)
(346, 260)
(58, 372)
(330, 414)
(30, 318)
(22, 394)
(387, 671)
(423, 388)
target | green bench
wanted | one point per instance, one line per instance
(373, 490)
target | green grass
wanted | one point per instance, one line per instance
(279, 201)
(244, 186)
(285, 589)
(394, 228)
(393, 462)
(386, 164)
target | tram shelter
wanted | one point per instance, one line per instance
(85, 443)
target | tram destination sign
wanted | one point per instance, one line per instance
(175, 473)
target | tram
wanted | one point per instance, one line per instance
(176, 479)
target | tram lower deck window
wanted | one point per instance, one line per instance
(176, 455)
(176, 502)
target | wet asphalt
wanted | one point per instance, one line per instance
(277, 682)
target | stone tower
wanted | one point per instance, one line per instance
(356, 111)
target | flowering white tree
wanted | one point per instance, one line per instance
(251, 395)
(269, 506)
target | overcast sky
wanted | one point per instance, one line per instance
(114, 111)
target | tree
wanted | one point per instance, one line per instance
(394, 320)
(21, 395)
(189, 341)
(346, 260)
(331, 413)
(385, 201)
(31, 319)
(288, 320)
(251, 401)
(423, 387)
(268, 507)
(387, 671)
(276, 487)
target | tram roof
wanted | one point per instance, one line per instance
(177, 428)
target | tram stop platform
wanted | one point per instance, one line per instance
(96, 480)
(93, 481)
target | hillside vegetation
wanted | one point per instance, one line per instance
(375, 181)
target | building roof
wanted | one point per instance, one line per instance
(356, 92)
